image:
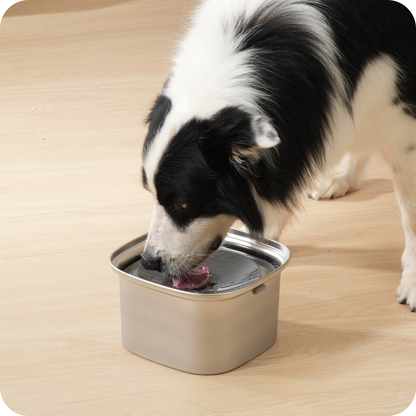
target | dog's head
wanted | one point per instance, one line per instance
(199, 172)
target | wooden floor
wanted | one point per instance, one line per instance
(76, 80)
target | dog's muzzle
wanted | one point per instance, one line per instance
(151, 262)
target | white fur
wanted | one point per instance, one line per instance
(344, 177)
(402, 158)
(375, 124)
(181, 253)
(379, 126)
(264, 133)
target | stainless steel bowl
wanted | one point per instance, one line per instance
(209, 330)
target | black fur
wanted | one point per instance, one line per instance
(156, 118)
(299, 87)
(196, 170)
(365, 29)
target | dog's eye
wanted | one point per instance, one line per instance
(178, 207)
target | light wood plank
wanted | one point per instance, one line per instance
(77, 78)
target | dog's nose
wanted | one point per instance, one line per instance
(150, 262)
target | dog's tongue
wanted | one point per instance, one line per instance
(198, 277)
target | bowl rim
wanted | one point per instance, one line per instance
(274, 252)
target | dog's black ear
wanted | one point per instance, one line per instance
(236, 135)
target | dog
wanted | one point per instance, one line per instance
(268, 100)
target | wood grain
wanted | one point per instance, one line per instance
(76, 80)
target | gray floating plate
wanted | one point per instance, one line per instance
(230, 270)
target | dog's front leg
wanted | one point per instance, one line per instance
(402, 159)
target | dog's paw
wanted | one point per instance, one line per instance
(330, 189)
(345, 177)
(407, 291)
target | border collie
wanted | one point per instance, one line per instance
(268, 100)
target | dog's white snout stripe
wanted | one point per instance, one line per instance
(154, 227)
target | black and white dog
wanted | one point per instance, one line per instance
(269, 99)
